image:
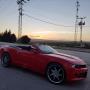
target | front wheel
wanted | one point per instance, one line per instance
(5, 59)
(55, 74)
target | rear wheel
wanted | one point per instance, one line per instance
(55, 73)
(5, 60)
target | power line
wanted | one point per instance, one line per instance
(38, 19)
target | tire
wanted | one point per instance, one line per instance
(5, 60)
(55, 73)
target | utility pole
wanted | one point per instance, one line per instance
(76, 22)
(20, 4)
(81, 24)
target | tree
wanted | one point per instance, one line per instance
(24, 39)
(7, 36)
(0, 36)
(13, 38)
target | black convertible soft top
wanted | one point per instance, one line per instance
(22, 47)
(25, 47)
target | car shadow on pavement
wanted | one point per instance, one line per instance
(22, 72)
(42, 77)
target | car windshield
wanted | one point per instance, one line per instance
(47, 49)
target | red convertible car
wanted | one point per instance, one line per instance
(45, 60)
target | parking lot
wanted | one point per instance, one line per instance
(14, 78)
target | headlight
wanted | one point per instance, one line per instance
(78, 66)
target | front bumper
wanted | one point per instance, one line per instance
(77, 74)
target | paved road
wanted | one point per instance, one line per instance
(82, 55)
(17, 79)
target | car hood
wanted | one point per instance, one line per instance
(67, 57)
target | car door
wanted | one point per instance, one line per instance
(24, 58)
(30, 59)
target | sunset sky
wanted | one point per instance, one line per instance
(61, 12)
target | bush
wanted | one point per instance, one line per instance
(87, 45)
(24, 39)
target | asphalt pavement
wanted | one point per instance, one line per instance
(83, 55)
(14, 78)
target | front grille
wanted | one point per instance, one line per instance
(80, 66)
(82, 75)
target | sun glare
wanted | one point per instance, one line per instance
(49, 35)
(40, 34)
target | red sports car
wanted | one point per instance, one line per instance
(45, 60)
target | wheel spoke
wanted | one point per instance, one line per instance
(56, 74)
(5, 60)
